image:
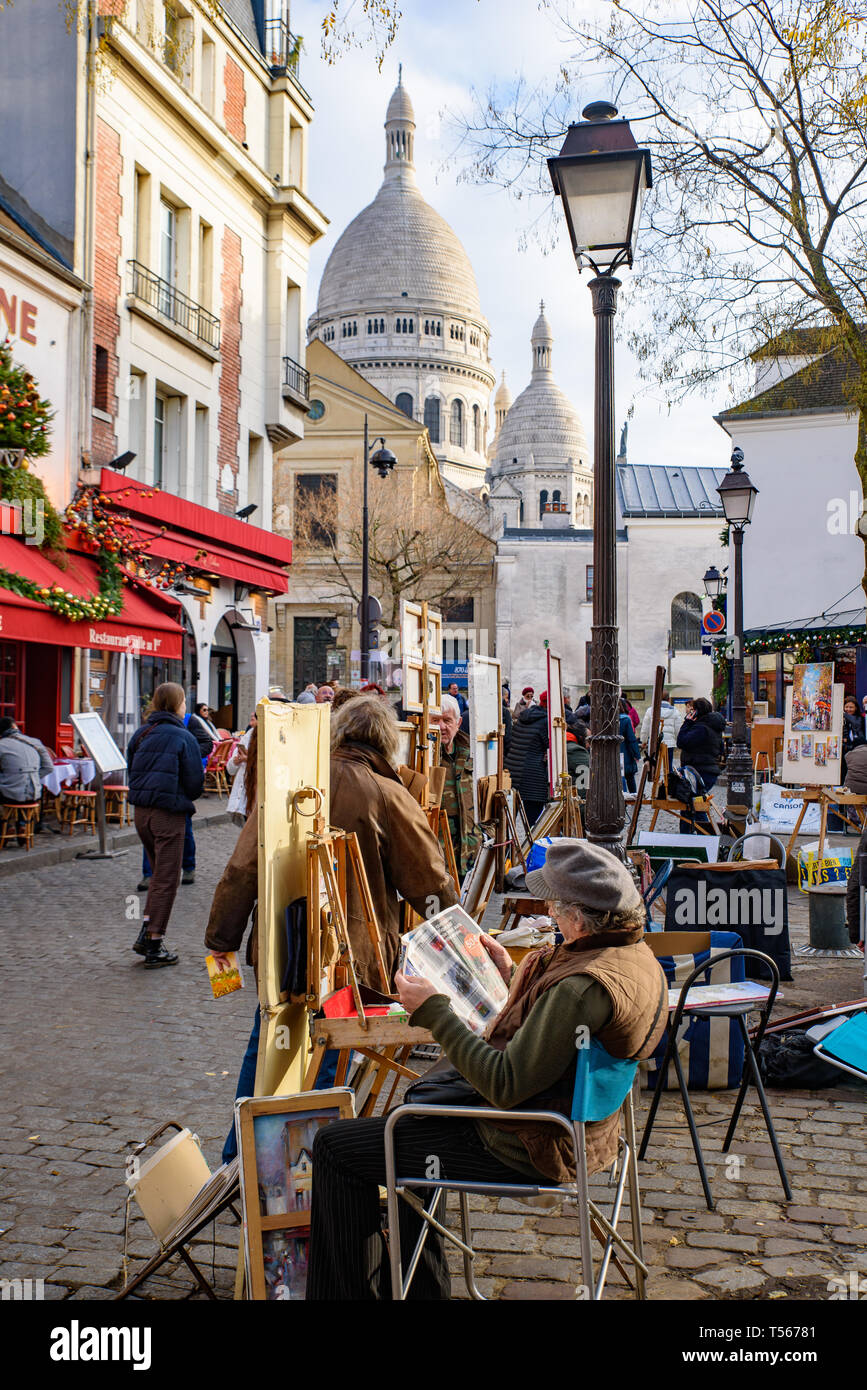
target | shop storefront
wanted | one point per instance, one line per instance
(772, 653)
(45, 658)
(232, 568)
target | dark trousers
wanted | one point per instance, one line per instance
(162, 834)
(189, 860)
(348, 1258)
(853, 892)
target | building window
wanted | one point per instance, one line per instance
(404, 403)
(543, 502)
(206, 82)
(159, 439)
(316, 509)
(168, 256)
(588, 584)
(456, 430)
(432, 418)
(477, 429)
(686, 623)
(100, 380)
(555, 498)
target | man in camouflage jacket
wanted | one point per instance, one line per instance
(455, 756)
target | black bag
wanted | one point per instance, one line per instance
(294, 979)
(693, 904)
(683, 786)
(787, 1060)
(442, 1085)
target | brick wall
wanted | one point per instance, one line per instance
(115, 8)
(230, 368)
(106, 279)
(235, 100)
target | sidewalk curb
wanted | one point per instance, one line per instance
(67, 850)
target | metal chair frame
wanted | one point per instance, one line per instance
(750, 1072)
(591, 1218)
(733, 855)
(655, 888)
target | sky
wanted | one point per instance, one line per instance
(448, 48)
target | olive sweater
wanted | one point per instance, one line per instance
(538, 1055)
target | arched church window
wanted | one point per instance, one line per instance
(686, 622)
(555, 498)
(411, 326)
(477, 429)
(543, 502)
(432, 418)
(404, 403)
(439, 330)
(456, 431)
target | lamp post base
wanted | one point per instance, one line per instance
(739, 773)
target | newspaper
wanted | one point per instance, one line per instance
(448, 951)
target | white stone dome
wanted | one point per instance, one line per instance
(399, 248)
(542, 428)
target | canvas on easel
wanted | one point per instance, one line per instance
(486, 718)
(557, 762)
(813, 734)
(294, 758)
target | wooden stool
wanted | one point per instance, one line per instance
(11, 813)
(116, 805)
(78, 808)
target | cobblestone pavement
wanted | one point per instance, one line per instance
(100, 1052)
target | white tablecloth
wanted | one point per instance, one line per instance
(70, 770)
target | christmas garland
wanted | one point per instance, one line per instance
(25, 418)
(806, 648)
(75, 608)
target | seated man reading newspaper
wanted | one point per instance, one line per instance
(602, 977)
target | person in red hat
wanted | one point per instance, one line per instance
(526, 700)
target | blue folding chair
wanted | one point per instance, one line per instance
(846, 1046)
(603, 1085)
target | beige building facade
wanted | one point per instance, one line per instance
(316, 634)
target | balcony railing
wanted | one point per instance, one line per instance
(282, 48)
(173, 305)
(296, 377)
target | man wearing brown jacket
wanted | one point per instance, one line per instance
(400, 852)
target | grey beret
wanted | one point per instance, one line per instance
(577, 871)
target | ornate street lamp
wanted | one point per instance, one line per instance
(714, 582)
(738, 496)
(383, 461)
(602, 177)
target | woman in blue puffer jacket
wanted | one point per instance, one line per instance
(164, 776)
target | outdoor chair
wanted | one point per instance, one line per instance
(116, 804)
(777, 848)
(738, 1011)
(78, 807)
(216, 776)
(845, 1046)
(13, 812)
(603, 1085)
(660, 879)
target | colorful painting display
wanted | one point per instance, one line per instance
(813, 734)
(812, 688)
(276, 1135)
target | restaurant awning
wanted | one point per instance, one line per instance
(204, 540)
(147, 624)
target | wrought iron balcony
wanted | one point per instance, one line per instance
(282, 48)
(158, 294)
(296, 378)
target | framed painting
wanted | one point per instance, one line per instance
(275, 1145)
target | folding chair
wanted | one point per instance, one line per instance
(750, 1072)
(776, 847)
(660, 879)
(603, 1085)
(845, 1046)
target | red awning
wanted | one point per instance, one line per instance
(200, 538)
(147, 624)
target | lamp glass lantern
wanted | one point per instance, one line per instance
(383, 461)
(714, 583)
(602, 177)
(738, 494)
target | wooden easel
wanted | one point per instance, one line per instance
(652, 751)
(661, 801)
(826, 797)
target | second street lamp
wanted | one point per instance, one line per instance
(602, 177)
(383, 461)
(738, 496)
